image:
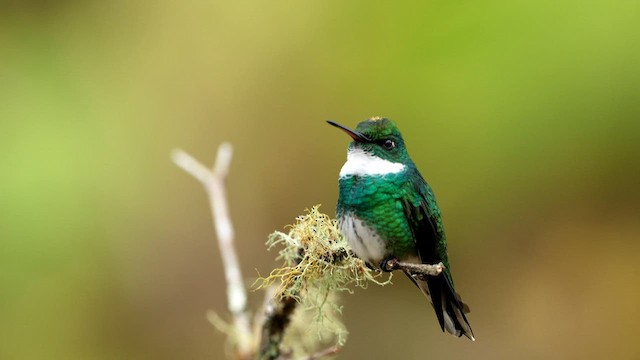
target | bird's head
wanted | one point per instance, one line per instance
(377, 137)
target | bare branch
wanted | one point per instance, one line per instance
(420, 270)
(213, 182)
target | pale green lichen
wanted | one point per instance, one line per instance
(318, 265)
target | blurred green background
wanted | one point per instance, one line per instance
(524, 117)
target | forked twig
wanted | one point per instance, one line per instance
(213, 182)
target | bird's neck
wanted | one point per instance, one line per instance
(361, 163)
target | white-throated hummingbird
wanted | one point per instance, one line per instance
(387, 211)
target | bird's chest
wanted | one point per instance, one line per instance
(372, 218)
(363, 239)
(367, 192)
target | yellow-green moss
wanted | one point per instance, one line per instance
(317, 266)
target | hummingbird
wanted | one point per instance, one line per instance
(387, 211)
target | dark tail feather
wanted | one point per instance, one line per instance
(447, 304)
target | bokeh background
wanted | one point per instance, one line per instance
(524, 117)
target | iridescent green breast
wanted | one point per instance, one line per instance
(377, 200)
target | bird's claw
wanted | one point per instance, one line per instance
(388, 265)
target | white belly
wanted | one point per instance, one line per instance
(364, 241)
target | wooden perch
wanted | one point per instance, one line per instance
(420, 270)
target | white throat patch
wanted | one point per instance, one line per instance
(363, 163)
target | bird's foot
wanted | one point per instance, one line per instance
(389, 264)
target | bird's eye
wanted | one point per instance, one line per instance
(389, 144)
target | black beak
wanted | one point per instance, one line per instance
(357, 136)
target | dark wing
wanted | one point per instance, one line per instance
(423, 214)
